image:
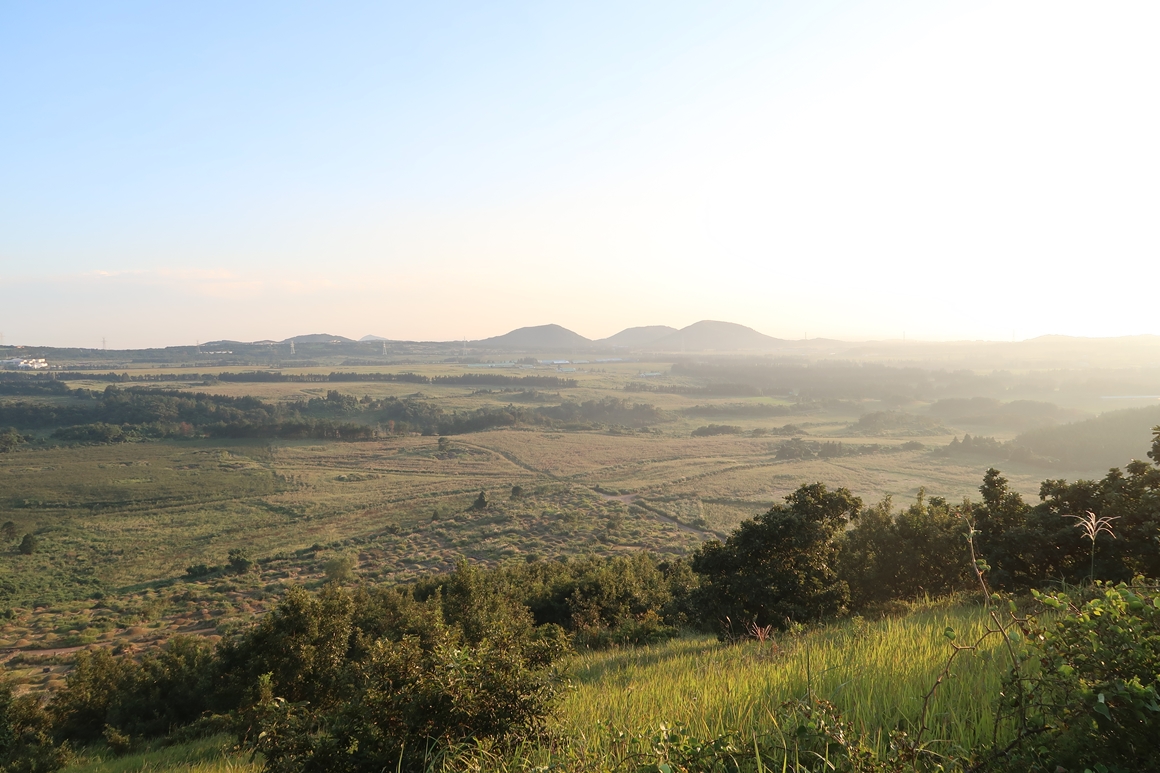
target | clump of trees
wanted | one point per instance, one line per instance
(717, 429)
(781, 567)
(125, 415)
(10, 439)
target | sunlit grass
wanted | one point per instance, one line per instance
(209, 755)
(876, 673)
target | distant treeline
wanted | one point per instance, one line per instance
(1109, 440)
(1013, 415)
(28, 387)
(263, 376)
(859, 381)
(120, 415)
(897, 423)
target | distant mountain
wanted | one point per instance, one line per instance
(637, 336)
(710, 336)
(538, 337)
(224, 344)
(366, 338)
(318, 338)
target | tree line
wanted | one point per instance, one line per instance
(37, 383)
(122, 415)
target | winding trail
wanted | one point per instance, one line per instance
(639, 501)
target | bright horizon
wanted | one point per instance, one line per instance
(854, 170)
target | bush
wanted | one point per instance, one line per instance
(375, 680)
(1094, 698)
(9, 439)
(25, 735)
(109, 697)
(339, 569)
(919, 551)
(29, 544)
(717, 429)
(239, 561)
(97, 432)
(778, 568)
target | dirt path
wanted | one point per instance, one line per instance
(656, 513)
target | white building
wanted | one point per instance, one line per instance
(20, 363)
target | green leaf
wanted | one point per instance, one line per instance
(949, 633)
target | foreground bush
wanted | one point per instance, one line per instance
(1093, 698)
(109, 696)
(779, 568)
(378, 680)
(26, 735)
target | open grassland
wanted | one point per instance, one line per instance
(118, 525)
(876, 673)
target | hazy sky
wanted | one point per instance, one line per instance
(172, 172)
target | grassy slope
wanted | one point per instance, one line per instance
(875, 672)
(211, 755)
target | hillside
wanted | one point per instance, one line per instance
(1111, 439)
(638, 336)
(318, 338)
(536, 337)
(710, 335)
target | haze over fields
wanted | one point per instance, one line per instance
(603, 386)
(845, 170)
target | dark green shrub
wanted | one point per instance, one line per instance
(239, 561)
(375, 679)
(97, 683)
(98, 432)
(1093, 696)
(9, 439)
(106, 694)
(26, 735)
(717, 429)
(919, 551)
(778, 568)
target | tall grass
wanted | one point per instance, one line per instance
(208, 755)
(876, 673)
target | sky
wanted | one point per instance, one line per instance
(182, 172)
